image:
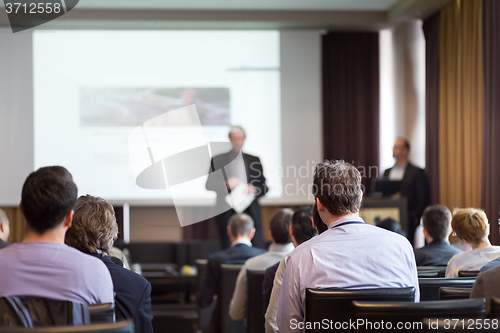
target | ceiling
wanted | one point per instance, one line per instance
(238, 14)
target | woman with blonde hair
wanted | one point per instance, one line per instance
(471, 226)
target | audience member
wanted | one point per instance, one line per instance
(42, 265)
(391, 225)
(437, 227)
(472, 227)
(240, 230)
(94, 230)
(349, 254)
(317, 221)
(301, 230)
(487, 286)
(4, 229)
(281, 245)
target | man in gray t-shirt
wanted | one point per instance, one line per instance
(42, 265)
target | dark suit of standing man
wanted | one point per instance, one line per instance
(250, 173)
(414, 187)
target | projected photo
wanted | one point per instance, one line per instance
(134, 106)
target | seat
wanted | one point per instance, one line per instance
(204, 314)
(102, 313)
(124, 326)
(29, 312)
(255, 313)
(468, 273)
(429, 287)
(428, 273)
(370, 315)
(229, 273)
(336, 304)
(440, 269)
(448, 293)
(494, 308)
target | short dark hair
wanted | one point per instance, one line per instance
(318, 222)
(437, 221)
(241, 225)
(302, 227)
(280, 226)
(94, 226)
(48, 195)
(337, 185)
(391, 225)
(406, 143)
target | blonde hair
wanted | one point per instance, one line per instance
(470, 224)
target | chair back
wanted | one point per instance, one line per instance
(494, 308)
(335, 305)
(255, 313)
(229, 273)
(102, 313)
(429, 287)
(29, 312)
(448, 293)
(124, 326)
(468, 273)
(440, 269)
(204, 314)
(428, 274)
(411, 313)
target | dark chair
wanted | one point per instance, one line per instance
(29, 312)
(428, 274)
(429, 287)
(255, 313)
(204, 314)
(124, 326)
(411, 314)
(336, 304)
(458, 325)
(494, 308)
(440, 269)
(102, 313)
(468, 273)
(229, 273)
(448, 293)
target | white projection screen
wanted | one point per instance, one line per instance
(93, 88)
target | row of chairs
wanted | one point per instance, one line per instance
(431, 289)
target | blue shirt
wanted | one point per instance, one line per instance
(355, 256)
(56, 271)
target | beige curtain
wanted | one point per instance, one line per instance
(16, 223)
(460, 104)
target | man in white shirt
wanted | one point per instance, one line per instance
(281, 245)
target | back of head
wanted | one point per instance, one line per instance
(318, 222)
(94, 226)
(437, 219)
(280, 226)
(302, 227)
(337, 185)
(241, 225)
(470, 224)
(48, 195)
(391, 225)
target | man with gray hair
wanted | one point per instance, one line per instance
(4, 229)
(241, 231)
(350, 254)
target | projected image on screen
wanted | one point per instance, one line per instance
(93, 88)
(134, 106)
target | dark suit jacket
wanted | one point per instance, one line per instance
(415, 188)
(3, 244)
(133, 296)
(436, 253)
(210, 283)
(217, 183)
(487, 286)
